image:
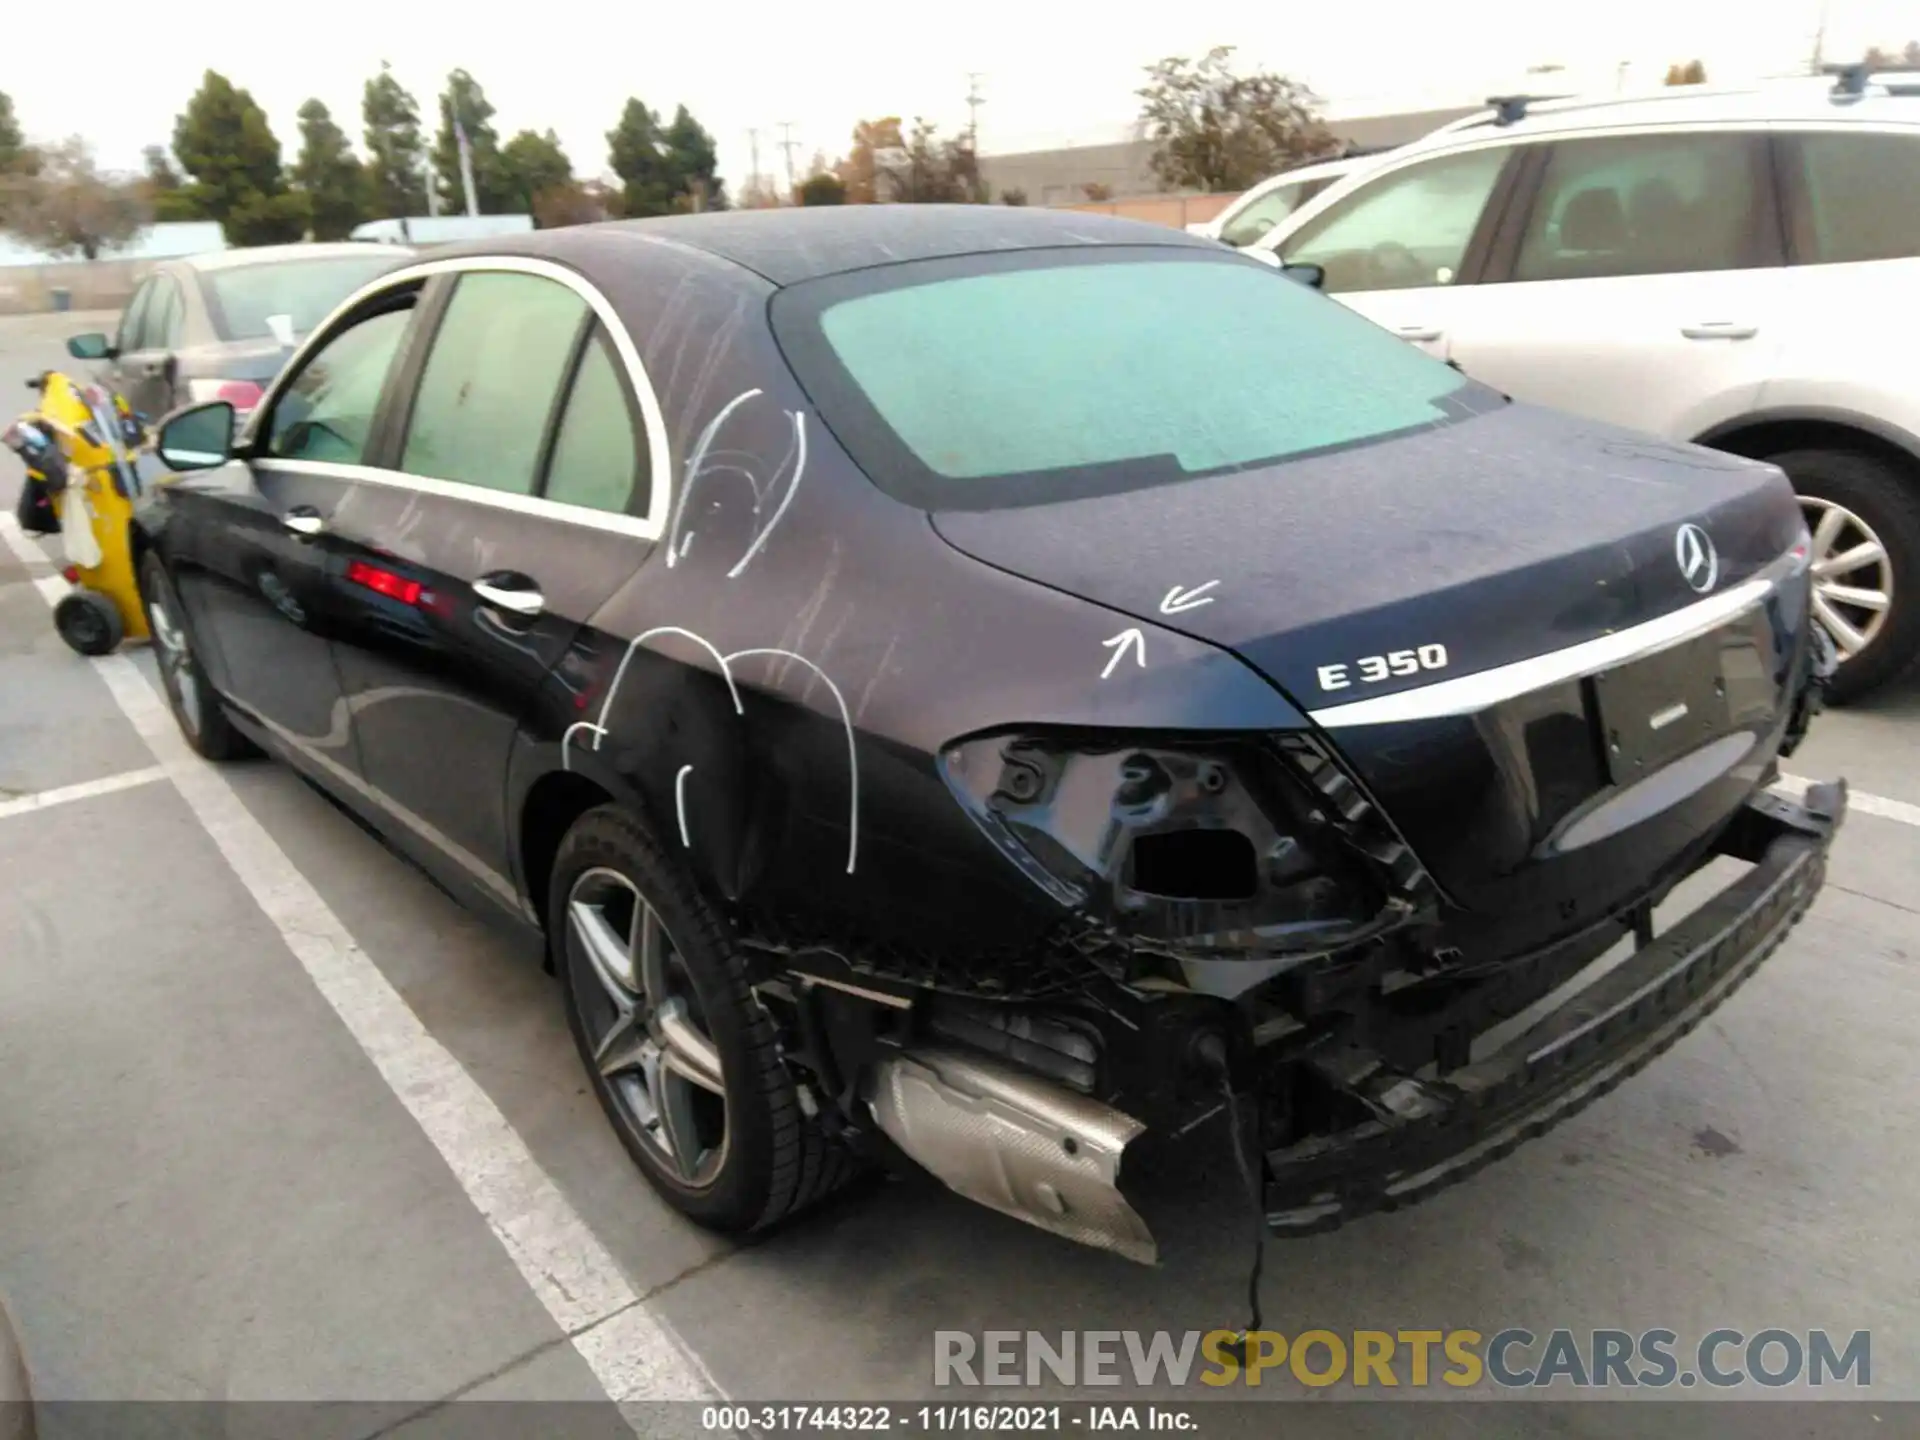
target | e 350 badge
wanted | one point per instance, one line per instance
(1396, 664)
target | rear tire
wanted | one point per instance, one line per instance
(196, 708)
(1863, 501)
(89, 622)
(736, 1155)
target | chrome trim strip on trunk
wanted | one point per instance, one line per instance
(1469, 694)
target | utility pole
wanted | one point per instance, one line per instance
(787, 143)
(1820, 42)
(753, 180)
(974, 101)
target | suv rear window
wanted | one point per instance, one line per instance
(1048, 375)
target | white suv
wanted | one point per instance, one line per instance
(1264, 206)
(1734, 268)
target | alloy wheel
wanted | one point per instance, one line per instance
(1852, 576)
(643, 1016)
(176, 661)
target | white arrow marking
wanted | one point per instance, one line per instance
(1178, 599)
(1120, 643)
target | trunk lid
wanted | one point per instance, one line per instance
(1385, 569)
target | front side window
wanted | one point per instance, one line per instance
(1862, 196)
(133, 318)
(326, 413)
(1642, 205)
(164, 318)
(598, 456)
(1010, 380)
(243, 299)
(1406, 230)
(487, 390)
(1263, 214)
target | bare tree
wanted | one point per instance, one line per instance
(65, 206)
(1215, 130)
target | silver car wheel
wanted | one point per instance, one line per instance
(176, 662)
(643, 1015)
(1852, 576)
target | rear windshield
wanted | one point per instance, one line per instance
(1055, 374)
(305, 291)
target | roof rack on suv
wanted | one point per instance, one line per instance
(1854, 79)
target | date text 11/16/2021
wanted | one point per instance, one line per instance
(814, 1419)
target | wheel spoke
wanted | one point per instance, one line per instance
(606, 949)
(1867, 552)
(675, 1127)
(689, 1054)
(1849, 640)
(625, 1047)
(646, 944)
(1855, 596)
(1833, 520)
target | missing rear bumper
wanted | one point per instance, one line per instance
(1425, 1134)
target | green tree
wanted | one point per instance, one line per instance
(532, 165)
(1014, 196)
(634, 151)
(167, 194)
(822, 188)
(56, 200)
(15, 156)
(1215, 130)
(390, 121)
(492, 191)
(329, 174)
(937, 172)
(692, 164)
(224, 142)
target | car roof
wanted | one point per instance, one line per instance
(1794, 98)
(286, 254)
(795, 243)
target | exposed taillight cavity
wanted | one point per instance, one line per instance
(384, 582)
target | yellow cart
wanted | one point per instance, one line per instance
(93, 489)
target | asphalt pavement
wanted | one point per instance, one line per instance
(278, 1121)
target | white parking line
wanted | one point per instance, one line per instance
(633, 1353)
(85, 790)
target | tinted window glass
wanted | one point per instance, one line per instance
(489, 384)
(241, 300)
(1041, 378)
(133, 318)
(598, 455)
(1863, 195)
(327, 412)
(162, 329)
(1406, 230)
(1263, 214)
(1641, 205)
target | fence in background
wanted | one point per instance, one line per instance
(89, 285)
(1175, 210)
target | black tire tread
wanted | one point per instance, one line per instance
(1889, 498)
(808, 1166)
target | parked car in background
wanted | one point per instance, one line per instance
(220, 325)
(1731, 267)
(918, 735)
(1257, 211)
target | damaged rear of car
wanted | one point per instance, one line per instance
(1538, 672)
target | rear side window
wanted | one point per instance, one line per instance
(1643, 205)
(487, 391)
(1862, 197)
(1059, 373)
(598, 455)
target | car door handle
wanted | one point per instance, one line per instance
(1719, 330)
(304, 520)
(520, 599)
(1424, 334)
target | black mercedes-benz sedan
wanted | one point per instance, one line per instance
(978, 686)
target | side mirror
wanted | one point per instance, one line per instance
(93, 346)
(1312, 276)
(199, 437)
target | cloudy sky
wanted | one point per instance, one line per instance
(1053, 72)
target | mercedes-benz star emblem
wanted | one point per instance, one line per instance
(1699, 562)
